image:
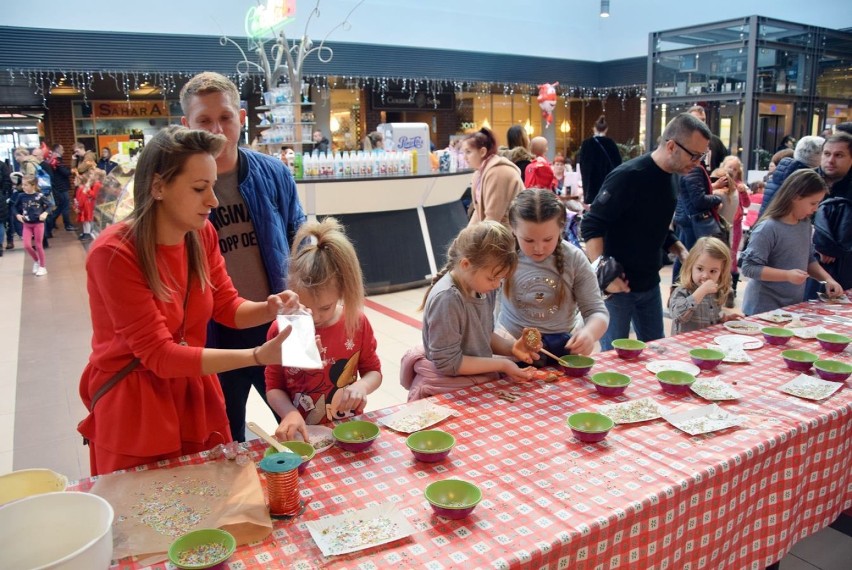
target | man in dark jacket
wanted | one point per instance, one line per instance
(806, 155)
(61, 180)
(833, 221)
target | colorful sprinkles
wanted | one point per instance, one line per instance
(164, 511)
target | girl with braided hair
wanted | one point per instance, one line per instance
(459, 342)
(553, 281)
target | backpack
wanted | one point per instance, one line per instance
(43, 179)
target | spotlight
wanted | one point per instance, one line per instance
(604, 8)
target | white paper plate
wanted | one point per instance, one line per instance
(841, 300)
(318, 434)
(714, 389)
(358, 530)
(641, 410)
(742, 327)
(746, 342)
(660, 365)
(734, 353)
(808, 333)
(416, 416)
(811, 388)
(776, 316)
(705, 419)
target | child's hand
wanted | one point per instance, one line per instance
(796, 276)
(291, 424)
(514, 372)
(731, 315)
(581, 342)
(42, 217)
(709, 287)
(353, 398)
(522, 351)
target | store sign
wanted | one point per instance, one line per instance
(420, 101)
(264, 20)
(131, 109)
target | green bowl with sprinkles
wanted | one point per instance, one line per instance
(203, 548)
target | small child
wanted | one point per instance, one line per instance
(327, 277)
(705, 281)
(31, 210)
(539, 173)
(87, 192)
(459, 342)
(554, 281)
(780, 255)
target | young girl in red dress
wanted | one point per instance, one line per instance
(154, 283)
(326, 275)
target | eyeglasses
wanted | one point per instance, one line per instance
(693, 156)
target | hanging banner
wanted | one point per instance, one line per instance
(130, 109)
(420, 101)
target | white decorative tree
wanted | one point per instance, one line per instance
(283, 63)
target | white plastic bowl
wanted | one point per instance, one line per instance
(26, 482)
(67, 531)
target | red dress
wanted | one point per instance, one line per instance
(311, 391)
(85, 197)
(165, 407)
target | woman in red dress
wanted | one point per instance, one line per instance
(154, 282)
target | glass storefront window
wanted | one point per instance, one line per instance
(679, 75)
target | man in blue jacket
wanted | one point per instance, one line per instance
(833, 221)
(257, 218)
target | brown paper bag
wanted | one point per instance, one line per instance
(153, 508)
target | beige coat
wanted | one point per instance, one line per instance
(500, 183)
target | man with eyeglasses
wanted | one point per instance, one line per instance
(629, 221)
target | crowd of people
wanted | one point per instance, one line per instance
(183, 327)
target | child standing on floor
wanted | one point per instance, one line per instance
(459, 342)
(780, 254)
(31, 210)
(327, 276)
(87, 191)
(554, 280)
(705, 281)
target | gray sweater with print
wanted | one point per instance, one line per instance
(456, 325)
(532, 301)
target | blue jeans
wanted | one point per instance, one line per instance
(644, 310)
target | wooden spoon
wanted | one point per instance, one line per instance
(259, 431)
(550, 354)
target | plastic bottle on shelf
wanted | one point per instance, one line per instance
(298, 171)
(347, 165)
(413, 169)
(338, 165)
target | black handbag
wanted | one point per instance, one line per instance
(607, 270)
(705, 224)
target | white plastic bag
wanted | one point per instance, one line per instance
(299, 350)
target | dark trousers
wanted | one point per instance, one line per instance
(63, 208)
(236, 386)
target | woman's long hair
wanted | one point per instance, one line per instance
(164, 157)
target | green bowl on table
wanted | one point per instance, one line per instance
(706, 358)
(203, 548)
(675, 382)
(576, 365)
(356, 435)
(431, 445)
(590, 427)
(833, 342)
(453, 498)
(776, 335)
(628, 348)
(833, 370)
(305, 450)
(610, 383)
(799, 360)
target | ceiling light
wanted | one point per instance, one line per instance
(604, 8)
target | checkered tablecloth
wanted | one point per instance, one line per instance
(649, 496)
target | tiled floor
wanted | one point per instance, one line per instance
(44, 343)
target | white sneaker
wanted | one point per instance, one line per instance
(35, 267)
(41, 271)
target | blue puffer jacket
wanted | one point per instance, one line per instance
(692, 196)
(833, 237)
(269, 191)
(785, 168)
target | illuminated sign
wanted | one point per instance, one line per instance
(264, 20)
(131, 109)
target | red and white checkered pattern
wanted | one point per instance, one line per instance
(647, 497)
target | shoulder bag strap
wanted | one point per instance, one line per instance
(110, 384)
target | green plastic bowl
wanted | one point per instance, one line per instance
(576, 365)
(628, 348)
(453, 498)
(305, 450)
(675, 381)
(799, 360)
(356, 435)
(590, 427)
(706, 358)
(832, 370)
(776, 335)
(610, 383)
(833, 342)
(198, 538)
(430, 446)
